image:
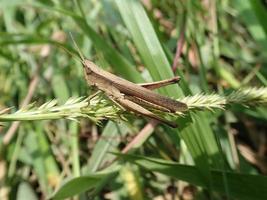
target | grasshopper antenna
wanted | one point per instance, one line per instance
(76, 47)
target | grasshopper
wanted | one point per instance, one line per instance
(133, 97)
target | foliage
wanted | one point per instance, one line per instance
(217, 47)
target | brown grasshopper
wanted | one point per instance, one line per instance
(133, 96)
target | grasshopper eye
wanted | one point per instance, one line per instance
(87, 69)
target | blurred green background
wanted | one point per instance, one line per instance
(215, 46)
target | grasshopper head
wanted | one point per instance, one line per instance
(87, 64)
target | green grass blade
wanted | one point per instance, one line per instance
(253, 14)
(147, 43)
(82, 184)
(155, 60)
(243, 186)
(106, 143)
(76, 186)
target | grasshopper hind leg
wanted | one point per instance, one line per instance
(159, 84)
(129, 105)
